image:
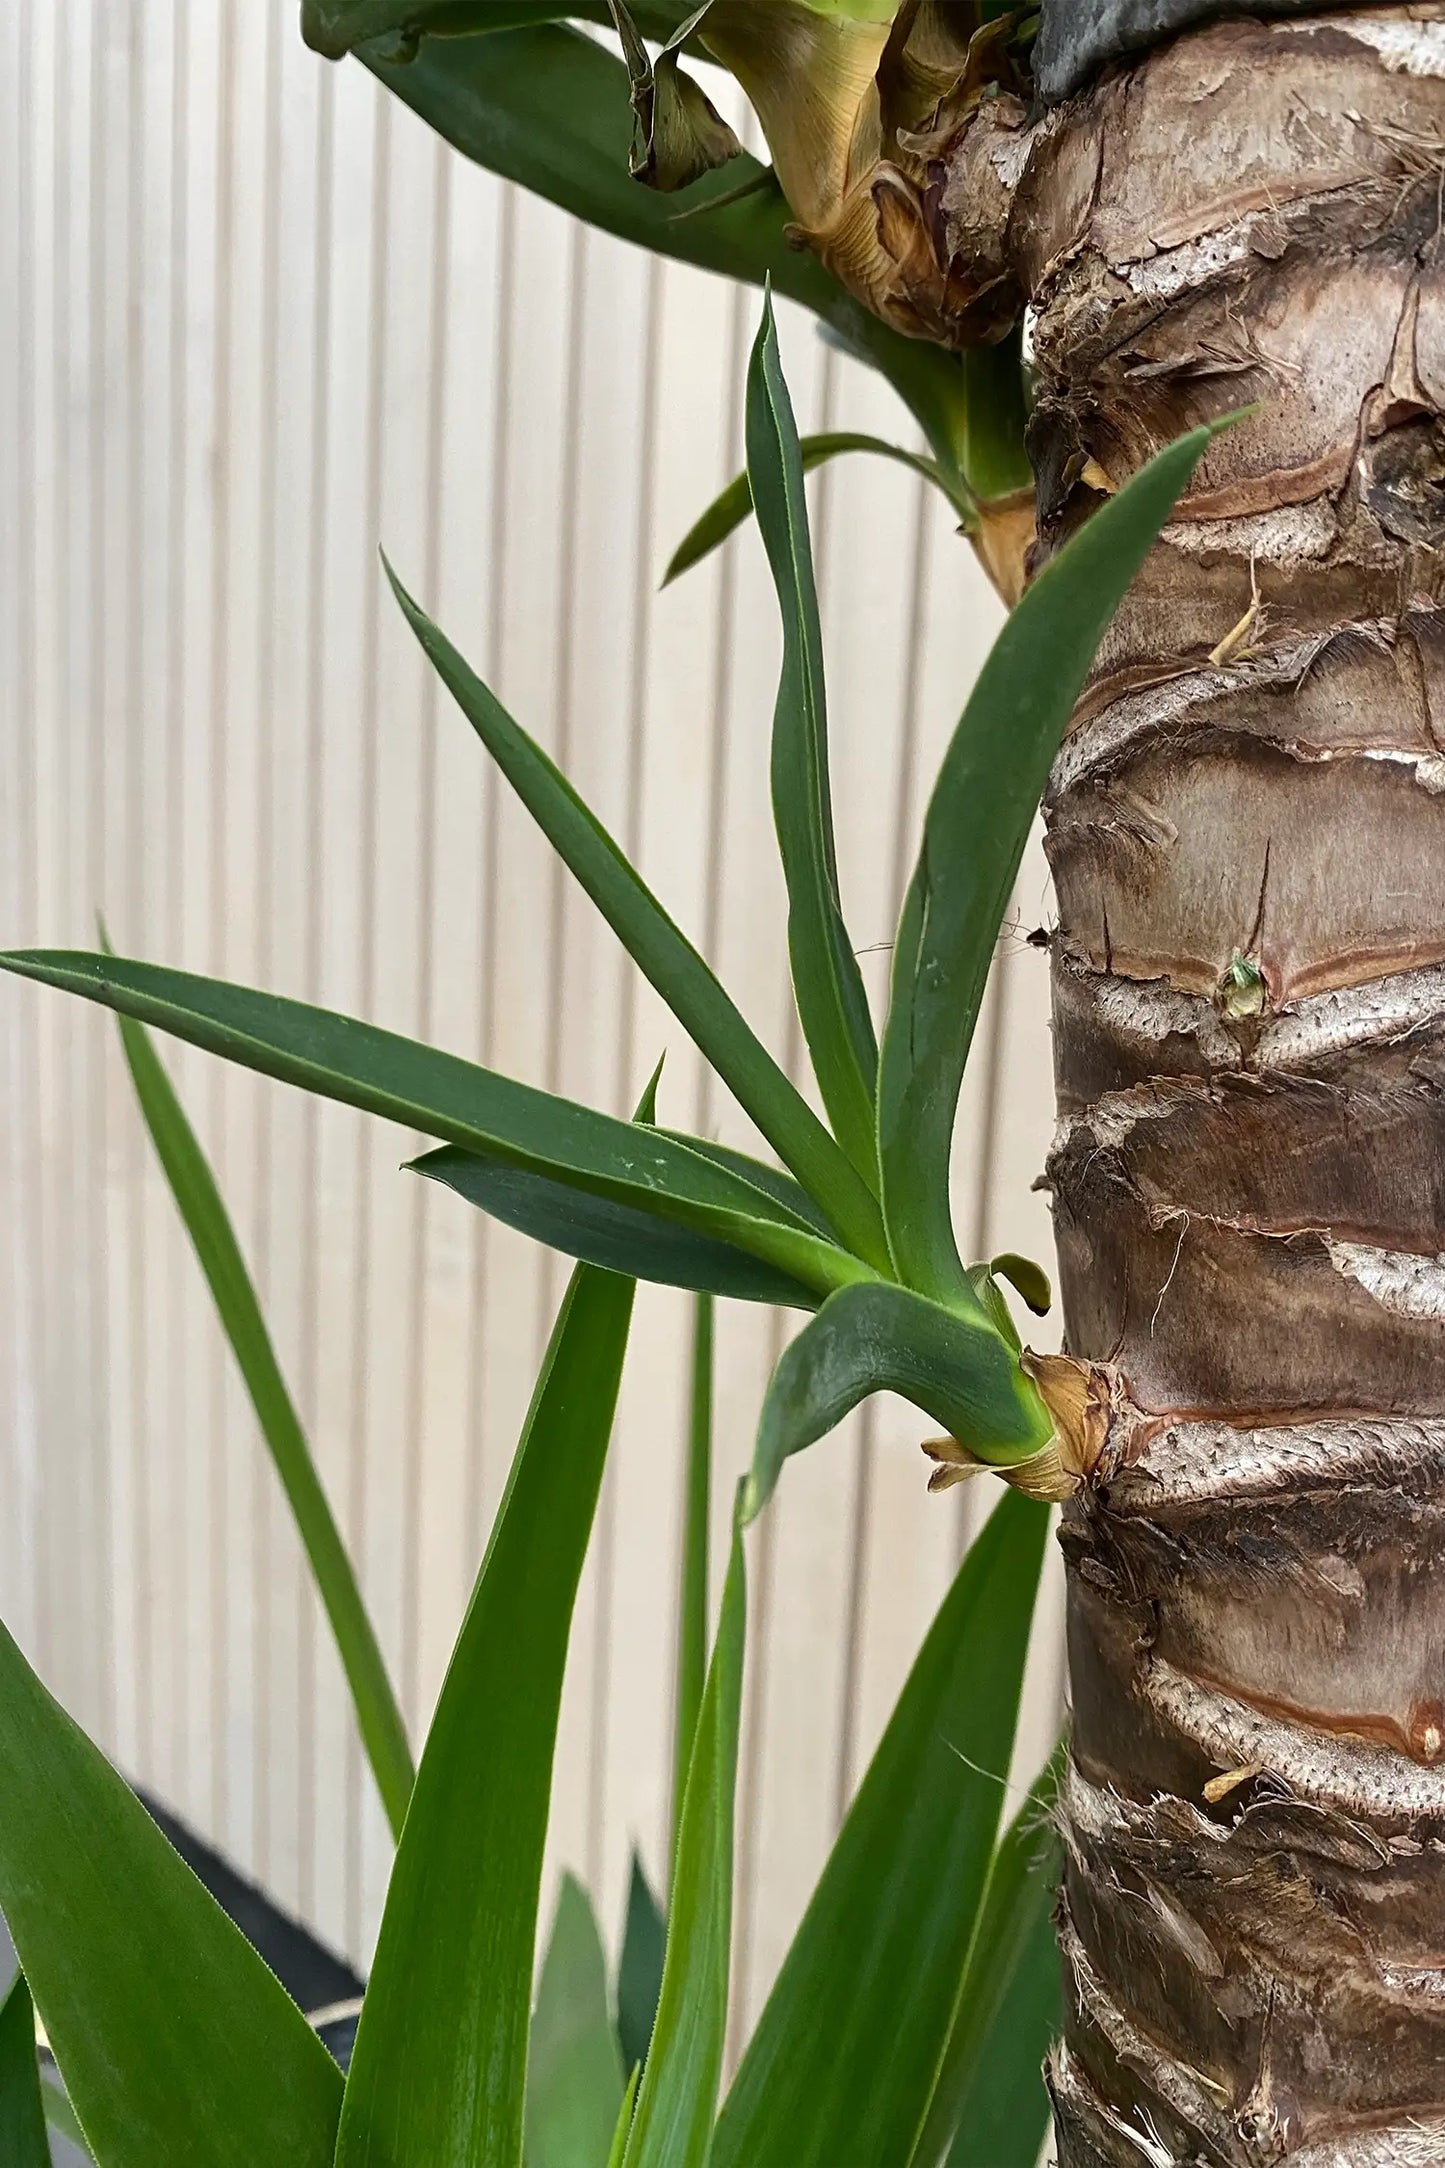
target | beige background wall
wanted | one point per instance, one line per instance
(257, 321)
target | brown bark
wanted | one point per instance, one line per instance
(1247, 828)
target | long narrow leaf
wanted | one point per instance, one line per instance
(176, 2043)
(658, 947)
(952, 1363)
(692, 1603)
(439, 2070)
(23, 2142)
(624, 2121)
(575, 2083)
(680, 2080)
(207, 1223)
(451, 1099)
(548, 107)
(987, 793)
(991, 2098)
(615, 1236)
(728, 510)
(843, 2063)
(832, 1004)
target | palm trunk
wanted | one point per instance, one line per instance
(1247, 829)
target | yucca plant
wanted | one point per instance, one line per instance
(1196, 207)
(905, 2020)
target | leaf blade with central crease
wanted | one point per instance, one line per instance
(978, 820)
(953, 1363)
(598, 1231)
(176, 2042)
(361, 1065)
(843, 2062)
(832, 1005)
(657, 945)
(439, 2070)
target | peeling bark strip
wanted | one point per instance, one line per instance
(1247, 828)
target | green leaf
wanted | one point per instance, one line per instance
(844, 2059)
(213, 1238)
(832, 1004)
(23, 2143)
(422, 1088)
(983, 804)
(995, 416)
(1027, 1279)
(439, 2070)
(546, 106)
(692, 1598)
(624, 2120)
(727, 512)
(680, 2078)
(659, 948)
(334, 27)
(176, 2042)
(782, 1188)
(952, 1363)
(991, 2098)
(615, 1236)
(639, 1971)
(575, 2083)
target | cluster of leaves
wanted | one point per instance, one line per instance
(896, 2017)
(855, 1225)
(527, 89)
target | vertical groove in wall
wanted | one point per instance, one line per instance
(606, 1536)
(565, 697)
(219, 715)
(130, 1557)
(266, 1573)
(310, 772)
(360, 1429)
(170, 1490)
(60, 1030)
(95, 1665)
(436, 421)
(21, 1201)
(499, 470)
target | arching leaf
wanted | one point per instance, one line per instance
(952, 1363)
(727, 512)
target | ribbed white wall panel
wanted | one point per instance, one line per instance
(258, 322)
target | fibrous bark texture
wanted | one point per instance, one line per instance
(1247, 829)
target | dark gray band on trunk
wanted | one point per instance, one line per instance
(1078, 36)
